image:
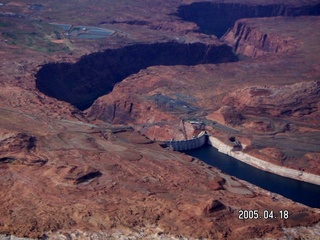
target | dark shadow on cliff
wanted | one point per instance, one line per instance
(96, 74)
(217, 18)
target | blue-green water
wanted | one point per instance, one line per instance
(305, 193)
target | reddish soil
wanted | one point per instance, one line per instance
(268, 98)
(63, 170)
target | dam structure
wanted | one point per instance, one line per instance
(189, 144)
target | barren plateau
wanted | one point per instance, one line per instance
(82, 117)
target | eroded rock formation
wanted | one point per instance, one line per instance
(96, 74)
(252, 42)
(67, 174)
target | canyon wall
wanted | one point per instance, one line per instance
(250, 41)
(96, 74)
(217, 18)
(263, 165)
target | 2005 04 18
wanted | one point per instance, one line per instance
(265, 214)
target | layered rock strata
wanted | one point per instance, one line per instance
(252, 42)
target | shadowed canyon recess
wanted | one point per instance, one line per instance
(96, 74)
(217, 18)
(102, 174)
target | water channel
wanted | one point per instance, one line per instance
(305, 193)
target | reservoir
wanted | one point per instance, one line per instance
(305, 193)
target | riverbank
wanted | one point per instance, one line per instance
(263, 165)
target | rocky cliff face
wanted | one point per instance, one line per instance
(248, 40)
(64, 174)
(271, 98)
(217, 18)
(96, 74)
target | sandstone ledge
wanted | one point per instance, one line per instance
(263, 165)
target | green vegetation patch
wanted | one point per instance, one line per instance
(35, 35)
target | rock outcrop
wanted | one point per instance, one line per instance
(68, 174)
(248, 40)
(93, 184)
(297, 100)
(20, 149)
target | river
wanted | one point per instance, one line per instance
(305, 193)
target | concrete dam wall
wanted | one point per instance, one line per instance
(189, 144)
